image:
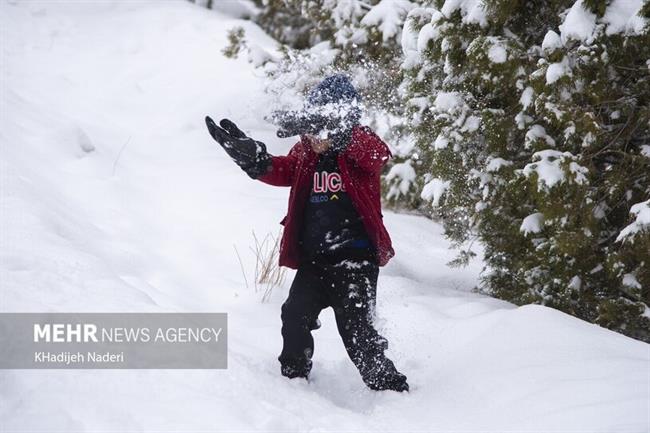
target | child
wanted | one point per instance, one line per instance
(333, 232)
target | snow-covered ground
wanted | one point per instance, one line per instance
(115, 198)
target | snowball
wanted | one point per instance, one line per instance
(551, 41)
(434, 190)
(578, 24)
(641, 221)
(622, 16)
(532, 223)
(497, 53)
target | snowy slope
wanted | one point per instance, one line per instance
(114, 198)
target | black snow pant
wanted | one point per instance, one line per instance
(347, 282)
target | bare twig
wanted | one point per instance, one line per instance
(241, 265)
(267, 269)
(119, 154)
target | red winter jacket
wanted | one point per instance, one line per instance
(360, 165)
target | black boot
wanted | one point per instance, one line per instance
(293, 372)
(391, 382)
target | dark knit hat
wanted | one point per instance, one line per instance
(333, 89)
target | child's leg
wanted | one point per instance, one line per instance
(299, 316)
(354, 308)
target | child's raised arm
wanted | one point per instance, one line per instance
(282, 168)
(251, 155)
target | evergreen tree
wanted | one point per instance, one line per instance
(532, 129)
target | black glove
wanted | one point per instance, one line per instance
(249, 154)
